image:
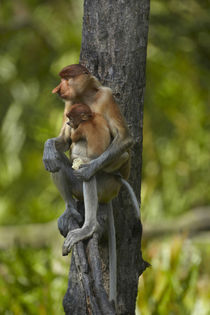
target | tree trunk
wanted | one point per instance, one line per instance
(114, 46)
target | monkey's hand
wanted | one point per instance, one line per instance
(51, 157)
(85, 171)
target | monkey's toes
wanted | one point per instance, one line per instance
(78, 235)
(65, 250)
(68, 244)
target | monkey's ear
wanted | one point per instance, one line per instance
(84, 116)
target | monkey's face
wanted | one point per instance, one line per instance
(65, 89)
(71, 89)
(74, 122)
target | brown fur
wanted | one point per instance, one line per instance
(77, 109)
(94, 130)
(85, 88)
(73, 71)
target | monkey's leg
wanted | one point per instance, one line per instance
(64, 186)
(116, 165)
(56, 162)
(112, 256)
(90, 224)
(64, 180)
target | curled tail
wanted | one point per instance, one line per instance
(132, 195)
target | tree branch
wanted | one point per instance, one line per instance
(192, 223)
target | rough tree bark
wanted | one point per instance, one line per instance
(114, 43)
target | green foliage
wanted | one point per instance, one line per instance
(37, 39)
(32, 281)
(177, 282)
(176, 121)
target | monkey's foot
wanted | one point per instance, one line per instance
(64, 220)
(77, 235)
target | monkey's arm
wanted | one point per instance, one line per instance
(113, 152)
(54, 147)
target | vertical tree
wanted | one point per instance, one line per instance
(114, 46)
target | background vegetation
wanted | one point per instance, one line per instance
(37, 39)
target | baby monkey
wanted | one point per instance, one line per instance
(91, 127)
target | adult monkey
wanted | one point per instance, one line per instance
(79, 86)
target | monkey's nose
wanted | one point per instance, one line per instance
(56, 89)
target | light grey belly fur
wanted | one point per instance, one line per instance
(79, 150)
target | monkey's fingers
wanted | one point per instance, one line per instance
(81, 176)
(84, 173)
(51, 165)
(51, 161)
(51, 157)
(72, 238)
(89, 165)
(83, 166)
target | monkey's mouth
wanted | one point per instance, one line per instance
(69, 124)
(63, 95)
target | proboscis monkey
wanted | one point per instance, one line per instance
(79, 86)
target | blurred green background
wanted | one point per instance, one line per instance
(37, 39)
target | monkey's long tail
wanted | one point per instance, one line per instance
(112, 241)
(132, 195)
(112, 257)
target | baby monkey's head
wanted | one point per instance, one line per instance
(77, 114)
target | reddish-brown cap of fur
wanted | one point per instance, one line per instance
(78, 109)
(73, 71)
